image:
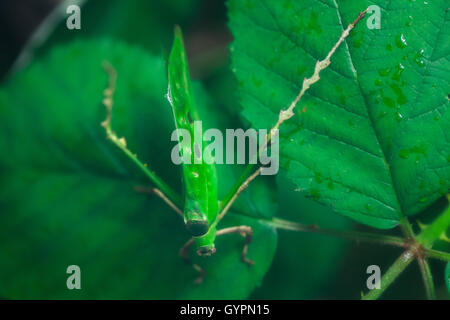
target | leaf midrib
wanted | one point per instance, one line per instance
(372, 121)
(397, 204)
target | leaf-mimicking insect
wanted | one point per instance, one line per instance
(201, 211)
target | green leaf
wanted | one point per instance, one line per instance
(305, 264)
(67, 194)
(371, 137)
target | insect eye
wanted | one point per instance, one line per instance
(197, 228)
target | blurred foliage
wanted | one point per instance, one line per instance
(149, 24)
(447, 276)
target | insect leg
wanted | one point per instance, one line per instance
(159, 193)
(244, 231)
(185, 255)
(108, 102)
(241, 189)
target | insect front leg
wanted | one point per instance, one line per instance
(160, 194)
(244, 231)
(163, 190)
(185, 255)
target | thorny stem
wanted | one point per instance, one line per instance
(426, 239)
(352, 235)
(121, 143)
(415, 249)
(427, 277)
(444, 256)
(418, 247)
(436, 230)
(393, 272)
(406, 227)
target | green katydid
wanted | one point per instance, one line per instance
(202, 211)
(201, 204)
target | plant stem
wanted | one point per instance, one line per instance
(435, 230)
(406, 227)
(393, 272)
(437, 254)
(427, 239)
(427, 278)
(352, 235)
(420, 245)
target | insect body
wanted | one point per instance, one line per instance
(199, 178)
(200, 202)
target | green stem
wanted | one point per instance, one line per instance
(406, 228)
(437, 254)
(427, 239)
(388, 278)
(424, 241)
(427, 278)
(352, 235)
(435, 230)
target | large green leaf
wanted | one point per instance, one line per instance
(67, 194)
(371, 137)
(305, 264)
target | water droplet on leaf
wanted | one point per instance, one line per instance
(401, 41)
